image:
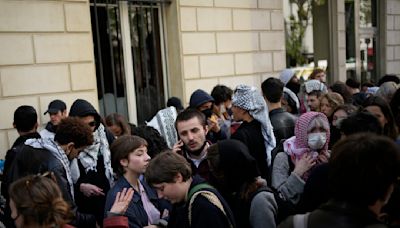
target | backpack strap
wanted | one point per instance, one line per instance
(200, 189)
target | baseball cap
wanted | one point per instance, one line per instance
(55, 106)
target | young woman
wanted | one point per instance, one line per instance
(36, 201)
(302, 152)
(129, 161)
(117, 124)
(381, 109)
(329, 102)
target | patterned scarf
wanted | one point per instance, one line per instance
(249, 99)
(297, 145)
(164, 123)
(57, 152)
(88, 157)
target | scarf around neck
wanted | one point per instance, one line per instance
(89, 156)
(57, 152)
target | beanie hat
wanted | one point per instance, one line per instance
(286, 75)
(199, 97)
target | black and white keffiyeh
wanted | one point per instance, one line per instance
(88, 157)
(58, 153)
(250, 99)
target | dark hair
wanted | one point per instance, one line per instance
(73, 129)
(120, 121)
(188, 114)
(272, 89)
(165, 166)
(352, 83)
(348, 108)
(362, 167)
(316, 93)
(315, 72)
(39, 200)
(390, 128)
(156, 143)
(25, 118)
(340, 88)
(121, 148)
(360, 122)
(389, 78)
(221, 93)
(367, 84)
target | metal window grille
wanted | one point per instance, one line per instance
(144, 21)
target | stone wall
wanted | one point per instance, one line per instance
(230, 42)
(46, 52)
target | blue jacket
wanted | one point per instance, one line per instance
(136, 214)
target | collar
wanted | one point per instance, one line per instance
(203, 153)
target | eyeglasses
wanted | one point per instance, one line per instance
(92, 124)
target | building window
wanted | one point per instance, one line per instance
(143, 50)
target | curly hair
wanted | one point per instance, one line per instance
(73, 129)
(39, 200)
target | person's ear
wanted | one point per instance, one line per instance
(178, 178)
(206, 129)
(124, 162)
(14, 125)
(70, 146)
(36, 126)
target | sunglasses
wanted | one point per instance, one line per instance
(92, 124)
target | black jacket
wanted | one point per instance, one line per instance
(336, 214)
(283, 123)
(29, 160)
(204, 213)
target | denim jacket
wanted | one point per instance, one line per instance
(136, 213)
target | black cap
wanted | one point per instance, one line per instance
(55, 106)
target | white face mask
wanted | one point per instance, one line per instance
(316, 140)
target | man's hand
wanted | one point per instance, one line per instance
(177, 146)
(91, 190)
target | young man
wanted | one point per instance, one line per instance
(192, 129)
(196, 204)
(57, 111)
(282, 121)
(204, 103)
(255, 132)
(25, 121)
(42, 155)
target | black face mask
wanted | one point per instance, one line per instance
(335, 135)
(207, 112)
(294, 86)
(229, 111)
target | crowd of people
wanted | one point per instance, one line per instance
(295, 154)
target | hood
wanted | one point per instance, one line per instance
(82, 108)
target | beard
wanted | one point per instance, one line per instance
(196, 152)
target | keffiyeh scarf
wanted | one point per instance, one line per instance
(249, 99)
(88, 157)
(57, 152)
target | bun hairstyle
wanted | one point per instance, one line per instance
(39, 201)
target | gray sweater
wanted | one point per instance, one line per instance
(291, 186)
(263, 210)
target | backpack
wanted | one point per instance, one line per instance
(204, 190)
